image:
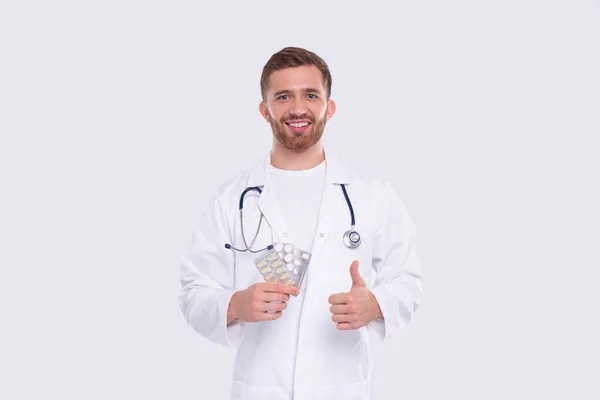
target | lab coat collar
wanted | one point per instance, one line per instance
(336, 170)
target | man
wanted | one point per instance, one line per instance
(310, 342)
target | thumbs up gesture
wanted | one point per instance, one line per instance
(356, 308)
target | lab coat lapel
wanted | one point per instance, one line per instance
(267, 203)
(268, 206)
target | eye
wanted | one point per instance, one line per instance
(282, 97)
(312, 96)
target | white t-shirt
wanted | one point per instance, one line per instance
(298, 194)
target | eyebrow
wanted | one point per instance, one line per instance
(286, 91)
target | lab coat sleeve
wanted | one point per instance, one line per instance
(397, 286)
(207, 279)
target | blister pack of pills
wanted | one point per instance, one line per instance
(284, 263)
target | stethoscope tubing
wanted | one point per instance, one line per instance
(269, 247)
(353, 223)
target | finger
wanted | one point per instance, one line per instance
(265, 306)
(343, 318)
(357, 280)
(340, 309)
(345, 326)
(340, 298)
(272, 306)
(280, 288)
(268, 296)
(268, 316)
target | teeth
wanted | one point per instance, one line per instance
(298, 125)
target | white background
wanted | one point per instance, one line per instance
(118, 119)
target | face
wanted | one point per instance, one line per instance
(296, 106)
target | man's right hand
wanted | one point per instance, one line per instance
(254, 303)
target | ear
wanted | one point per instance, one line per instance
(330, 109)
(264, 111)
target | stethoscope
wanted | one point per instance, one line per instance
(351, 237)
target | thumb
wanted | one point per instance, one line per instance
(357, 280)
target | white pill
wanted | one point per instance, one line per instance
(278, 247)
(304, 256)
(288, 258)
(297, 263)
(296, 271)
(289, 248)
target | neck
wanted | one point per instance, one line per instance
(283, 158)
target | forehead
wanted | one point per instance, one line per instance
(296, 78)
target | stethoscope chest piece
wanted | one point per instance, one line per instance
(351, 239)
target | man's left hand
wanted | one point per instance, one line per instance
(356, 308)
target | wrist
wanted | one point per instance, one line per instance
(232, 309)
(378, 314)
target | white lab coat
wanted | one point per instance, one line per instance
(302, 355)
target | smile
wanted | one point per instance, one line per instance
(298, 126)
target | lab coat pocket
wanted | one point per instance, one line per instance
(349, 391)
(244, 391)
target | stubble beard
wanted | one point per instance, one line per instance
(298, 142)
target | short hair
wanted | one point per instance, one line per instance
(289, 57)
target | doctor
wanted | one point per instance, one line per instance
(312, 342)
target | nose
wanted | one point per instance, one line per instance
(298, 108)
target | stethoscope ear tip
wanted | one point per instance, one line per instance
(227, 246)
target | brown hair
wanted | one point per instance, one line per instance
(289, 57)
